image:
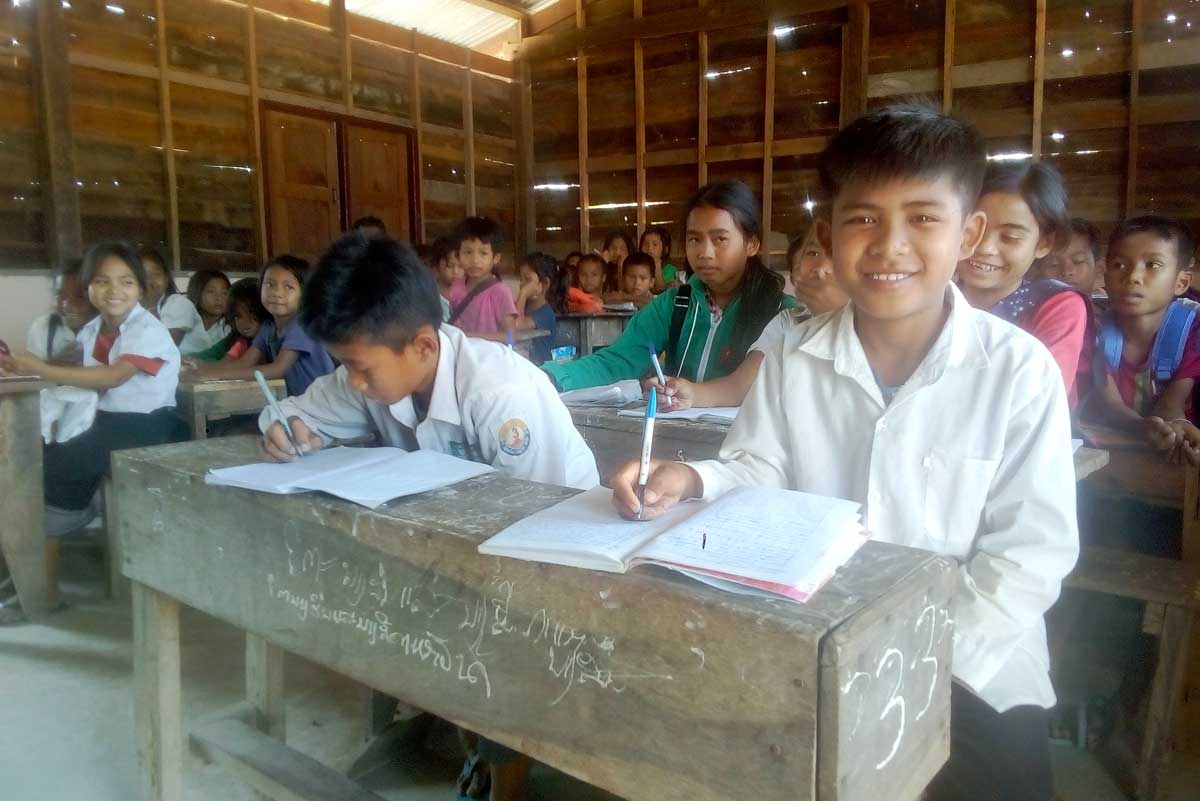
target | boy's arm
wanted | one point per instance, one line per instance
(728, 390)
(1173, 400)
(247, 365)
(1028, 539)
(330, 407)
(1112, 409)
(627, 358)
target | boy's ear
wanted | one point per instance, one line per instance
(425, 342)
(973, 230)
(753, 245)
(1183, 281)
(825, 235)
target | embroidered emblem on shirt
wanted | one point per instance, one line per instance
(514, 437)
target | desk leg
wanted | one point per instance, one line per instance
(1187, 723)
(264, 685)
(156, 694)
(1165, 698)
(585, 337)
(23, 533)
(199, 426)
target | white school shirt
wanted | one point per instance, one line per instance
(39, 330)
(773, 332)
(176, 312)
(489, 404)
(142, 334)
(972, 459)
(199, 339)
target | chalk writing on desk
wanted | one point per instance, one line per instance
(891, 672)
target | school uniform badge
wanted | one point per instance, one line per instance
(514, 437)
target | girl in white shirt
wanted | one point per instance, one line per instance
(163, 300)
(131, 360)
(208, 291)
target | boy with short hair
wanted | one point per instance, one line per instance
(637, 281)
(482, 305)
(416, 383)
(948, 424)
(1080, 263)
(1148, 358)
(443, 258)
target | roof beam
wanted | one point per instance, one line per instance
(508, 9)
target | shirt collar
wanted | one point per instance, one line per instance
(443, 403)
(94, 325)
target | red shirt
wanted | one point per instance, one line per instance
(1061, 324)
(104, 344)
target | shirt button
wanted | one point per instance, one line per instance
(882, 425)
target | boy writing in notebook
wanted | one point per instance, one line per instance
(948, 424)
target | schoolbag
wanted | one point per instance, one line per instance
(1169, 342)
(679, 310)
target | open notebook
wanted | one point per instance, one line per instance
(367, 476)
(753, 540)
(721, 415)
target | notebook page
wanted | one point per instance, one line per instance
(401, 474)
(769, 535)
(582, 531)
(717, 414)
(286, 477)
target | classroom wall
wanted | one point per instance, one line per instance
(123, 108)
(632, 115)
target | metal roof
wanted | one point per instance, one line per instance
(457, 21)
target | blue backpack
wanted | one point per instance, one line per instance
(1169, 343)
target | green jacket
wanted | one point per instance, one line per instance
(705, 351)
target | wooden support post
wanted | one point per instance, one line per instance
(855, 34)
(469, 139)
(526, 208)
(1135, 67)
(168, 135)
(948, 55)
(639, 124)
(156, 694)
(702, 113)
(1039, 77)
(52, 77)
(416, 101)
(1188, 721)
(1168, 684)
(23, 532)
(264, 685)
(260, 194)
(585, 225)
(768, 137)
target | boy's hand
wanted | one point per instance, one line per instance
(679, 394)
(1178, 440)
(669, 483)
(275, 443)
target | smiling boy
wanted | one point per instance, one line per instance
(948, 424)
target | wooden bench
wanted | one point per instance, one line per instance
(200, 402)
(1170, 590)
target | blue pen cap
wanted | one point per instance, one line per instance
(652, 404)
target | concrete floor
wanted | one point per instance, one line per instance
(67, 732)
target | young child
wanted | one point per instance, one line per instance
(1026, 208)
(208, 291)
(587, 295)
(707, 325)
(482, 305)
(131, 360)
(244, 315)
(571, 267)
(818, 293)
(538, 302)
(51, 337)
(1148, 359)
(444, 256)
(656, 241)
(282, 346)
(1080, 263)
(948, 425)
(617, 247)
(163, 300)
(637, 283)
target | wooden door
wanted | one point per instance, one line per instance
(302, 184)
(377, 177)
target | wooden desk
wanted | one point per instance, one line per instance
(22, 532)
(648, 685)
(590, 331)
(199, 402)
(523, 338)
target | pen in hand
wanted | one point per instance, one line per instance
(277, 412)
(647, 443)
(658, 371)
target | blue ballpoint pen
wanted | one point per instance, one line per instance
(647, 442)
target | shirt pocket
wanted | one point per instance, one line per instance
(956, 489)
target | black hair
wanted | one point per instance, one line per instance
(576, 254)
(1168, 228)
(1041, 186)
(663, 235)
(373, 288)
(199, 282)
(639, 257)
(905, 141)
(369, 221)
(485, 229)
(424, 253)
(97, 254)
(247, 293)
(761, 290)
(71, 268)
(146, 254)
(616, 234)
(546, 268)
(795, 247)
(605, 266)
(293, 264)
(1089, 232)
(441, 249)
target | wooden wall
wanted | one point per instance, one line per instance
(164, 110)
(637, 102)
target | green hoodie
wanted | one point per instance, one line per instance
(705, 350)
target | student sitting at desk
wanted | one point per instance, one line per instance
(482, 306)
(949, 425)
(707, 325)
(1148, 358)
(538, 302)
(244, 314)
(131, 360)
(586, 296)
(636, 283)
(208, 291)
(163, 300)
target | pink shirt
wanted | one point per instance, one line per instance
(488, 310)
(1061, 324)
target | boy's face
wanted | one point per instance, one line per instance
(812, 278)
(1011, 243)
(638, 279)
(384, 374)
(591, 277)
(717, 250)
(477, 259)
(1144, 275)
(895, 245)
(449, 270)
(1075, 264)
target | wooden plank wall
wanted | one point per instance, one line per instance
(1107, 91)
(163, 104)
